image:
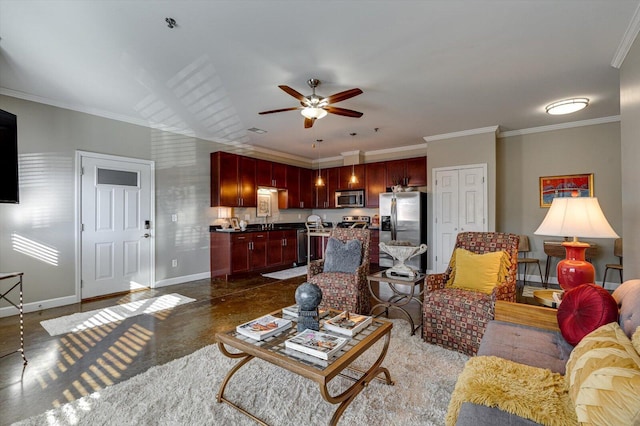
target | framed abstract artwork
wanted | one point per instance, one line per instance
(565, 186)
(264, 205)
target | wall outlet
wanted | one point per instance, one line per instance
(247, 217)
(174, 263)
(299, 216)
(174, 217)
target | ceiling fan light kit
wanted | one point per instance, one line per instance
(567, 106)
(314, 107)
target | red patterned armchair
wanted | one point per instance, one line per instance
(342, 290)
(456, 318)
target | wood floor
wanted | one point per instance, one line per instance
(66, 367)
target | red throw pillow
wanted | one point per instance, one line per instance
(583, 309)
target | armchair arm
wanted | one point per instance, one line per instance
(315, 267)
(434, 282)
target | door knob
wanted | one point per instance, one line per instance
(147, 235)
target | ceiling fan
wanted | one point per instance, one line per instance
(314, 107)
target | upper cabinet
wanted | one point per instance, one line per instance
(345, 176)
(325, 195)
(375, 183)
(233, 180)
(407, 172)
(271, 174)
(299, 194)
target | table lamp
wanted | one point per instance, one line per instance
(575, 217)
(225, 213)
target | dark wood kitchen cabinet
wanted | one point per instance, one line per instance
(407, 172)
(271, 174)
(237, 253)
(299, 194)
(345, 176)
(282, 248)
(233, 180)
(325, 195)
(375, 183)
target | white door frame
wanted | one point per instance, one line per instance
(434, 206)
(78, 212)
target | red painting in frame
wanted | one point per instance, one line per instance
(565, 186)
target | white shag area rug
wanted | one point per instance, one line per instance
(85, 320)
(183, 392)
(287, 273)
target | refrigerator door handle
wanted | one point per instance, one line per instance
(394, 218)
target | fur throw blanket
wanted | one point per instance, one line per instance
(533, 393)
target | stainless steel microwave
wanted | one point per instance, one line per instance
(351, 198)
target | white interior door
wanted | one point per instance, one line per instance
(446, 217)
(460, 206)
(116, 210)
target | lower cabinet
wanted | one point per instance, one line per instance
(235, 253)
(374, 247)
(283, 248)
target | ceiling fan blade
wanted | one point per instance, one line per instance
(299, 96)
(342, 111)
(308, 122)
(343, 95)
(279, 110)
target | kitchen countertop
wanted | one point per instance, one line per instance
(276, 227)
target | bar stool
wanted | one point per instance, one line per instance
(617, 251)
(19, 307)
(523, 247)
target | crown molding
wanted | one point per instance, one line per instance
(470, 132)
(627, 40)
(560, 126)
(396, 149)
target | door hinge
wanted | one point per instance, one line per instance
(81, 284)
(82, 228)
(81, 171)
(482, 179)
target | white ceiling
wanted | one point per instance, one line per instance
(426, 67)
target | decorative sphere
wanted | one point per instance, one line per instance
(308, 296)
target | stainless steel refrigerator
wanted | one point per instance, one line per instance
(404, 218)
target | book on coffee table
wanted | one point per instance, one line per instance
(293, 311)
(263, 327)
(316, 343)
(347, 323)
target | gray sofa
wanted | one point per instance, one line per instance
(530, 335)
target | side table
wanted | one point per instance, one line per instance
(545, 297)
(19, 307)
(400, 297)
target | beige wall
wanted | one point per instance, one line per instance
(630, 153)
(47, 140)
(523, 159)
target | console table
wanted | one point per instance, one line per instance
(16, 285)
(556, 249)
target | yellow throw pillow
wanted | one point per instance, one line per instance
(479, 272)
(603, 376)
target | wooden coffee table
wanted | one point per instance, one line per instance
(322, 372)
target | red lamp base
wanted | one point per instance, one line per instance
(575, 270)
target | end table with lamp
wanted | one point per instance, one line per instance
(575, 217)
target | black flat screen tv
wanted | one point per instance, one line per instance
(9, 185)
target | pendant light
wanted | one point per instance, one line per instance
(354, 179)
(319, 180)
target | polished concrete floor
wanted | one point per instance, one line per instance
(66, 367)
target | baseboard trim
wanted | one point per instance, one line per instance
(182, 279)
(39, 306)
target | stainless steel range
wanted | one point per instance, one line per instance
(355, 222)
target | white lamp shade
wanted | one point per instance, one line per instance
(312, 112)
(224, 212)
(576, 217)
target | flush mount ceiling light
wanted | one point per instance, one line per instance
(567, 106)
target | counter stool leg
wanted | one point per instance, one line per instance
(24, 358)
